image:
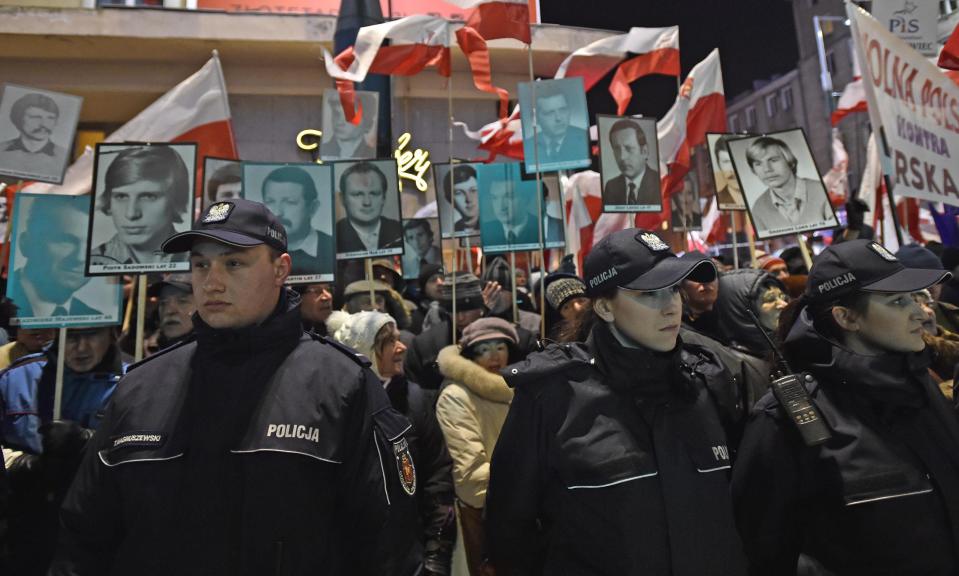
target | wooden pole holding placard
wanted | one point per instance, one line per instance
(61, 362)
(368, 265)
(512, 271)
(732, 218)
(456, 242)
(539, 206)
(889, 196)
(750, 237)
(807, 258)
(141, 315)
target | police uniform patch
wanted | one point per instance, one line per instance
(405, 466)
(881, 250)
(652, 241)
(219, 212)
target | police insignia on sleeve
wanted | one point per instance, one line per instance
(218, 212)
(405, 466)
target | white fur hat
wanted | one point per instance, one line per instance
(358, 331)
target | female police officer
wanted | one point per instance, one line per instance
(613, 459)
(881, 494)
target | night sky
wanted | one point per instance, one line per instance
(756, 39)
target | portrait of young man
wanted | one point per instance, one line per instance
(301, 197)
(343, 140)
(47, 283)
(508, 210)
(368, 202)
(36, 132)
(629, 163)
(686, 211)
(783, 190)
(729, 194)
(422, 246)
(560, 124)
(143, 192)
(458, 205)
(223, 180)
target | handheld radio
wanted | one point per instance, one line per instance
(790, 391)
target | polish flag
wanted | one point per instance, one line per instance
(949, 57)
(656, 49)
(195, 110)
(837, 179)
(853, 99)
(491, 20)
(586, 223)
(872, 191)
(416, 42)
(503, 137)
(700, 108)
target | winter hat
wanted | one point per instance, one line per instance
(488, 329)
(768, 261)
(427, 272)
(469, 295)
(561, 288)
(363, 287)
(358, 331)
(498, 270)
(916, 256)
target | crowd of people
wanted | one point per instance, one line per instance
(378, 425)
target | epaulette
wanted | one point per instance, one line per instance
(540, 368)
(355, 356)
(162, 352)
(24, 360)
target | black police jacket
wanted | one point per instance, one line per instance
(324, 479)
(611, 465)
(881, 497)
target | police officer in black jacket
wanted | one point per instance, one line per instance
(254, 450)
(881, 495)
(613, 459)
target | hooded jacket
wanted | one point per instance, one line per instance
(471, 409)
(880, 497)
(739, 292)
(613, 461)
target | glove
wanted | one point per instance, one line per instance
(64, 438)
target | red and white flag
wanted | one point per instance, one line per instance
(949, 57)
(504, 137)
(700, 107)
(586, 223)
(195, 110)
(837, 179)
(853, 99)
(656, 50)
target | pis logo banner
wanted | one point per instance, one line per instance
(915, 22)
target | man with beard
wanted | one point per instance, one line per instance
(789, 200)
(290, 193)
(174, 296)
(363, 192)
(52, 244)
(637, 183)
(35, 116)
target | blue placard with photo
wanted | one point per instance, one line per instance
(509, 206)
(558, 139)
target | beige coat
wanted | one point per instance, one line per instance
(471, 410)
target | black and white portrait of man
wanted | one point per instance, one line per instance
(368, 208)
(629, 164)
(343, 140)
(36, 132)
(560, 124)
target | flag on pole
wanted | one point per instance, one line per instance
(195, 110)
(656, 49)
(837, 179)
(491, 20)
(586, 223)
(700, 107)
(416, 42)
(853, 99)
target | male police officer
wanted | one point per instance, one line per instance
(255, 449)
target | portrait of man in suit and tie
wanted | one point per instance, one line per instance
(784, 192)
(36, 132)
(508, 209)
(628, 164)
(458, 205)
(729, 194)
(368, 197)
(290, 192)
(561, 141)
(422, 246)
(47, 281)
(343, 140)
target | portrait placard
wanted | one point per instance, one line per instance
(46, 281)
(554, 236)
(458, 202)
(561, 126)
(301, 196)
(508, 208)
(686, 212)
(222, 180)
(421, 239)
(629, 164)
(367, 200)
(729, 194)
(142, 195)
(37, 128)
(343, 140)
(783, 189)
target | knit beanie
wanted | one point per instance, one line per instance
(768, 261)
(358, 331)
(562, 288)
(469, 295)
(488, 329)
